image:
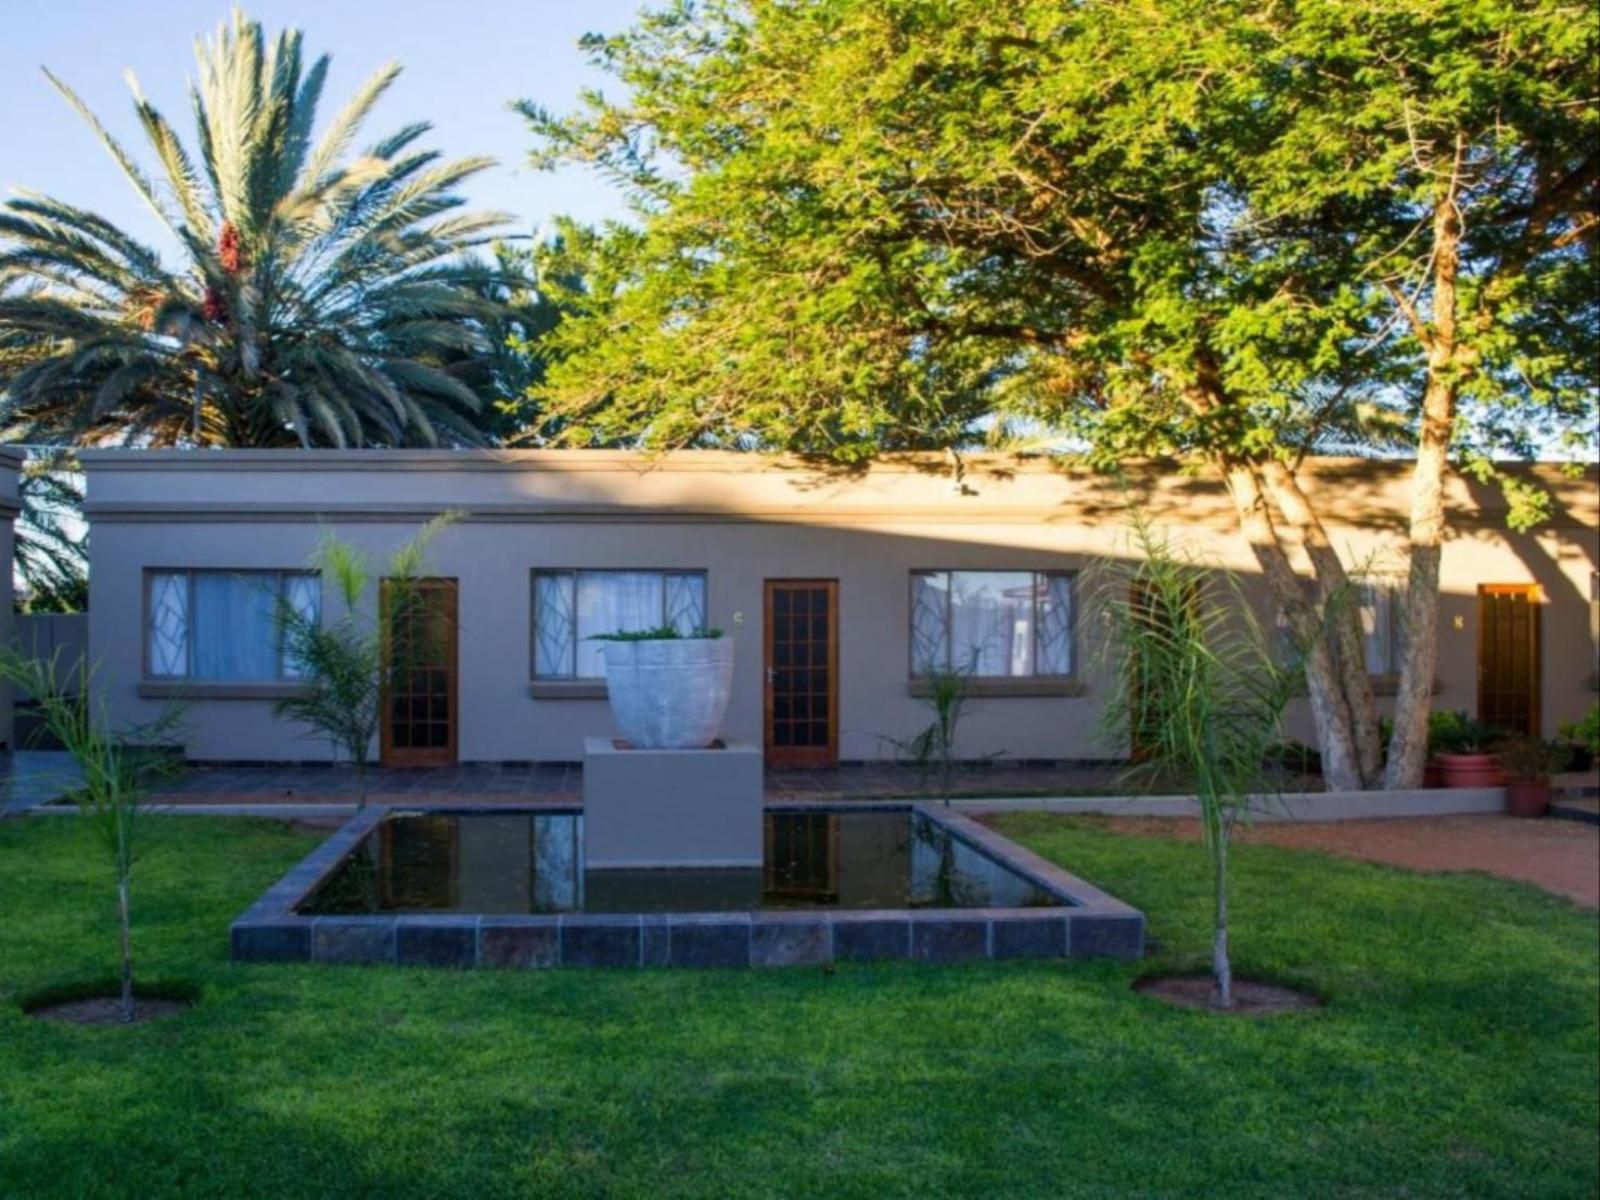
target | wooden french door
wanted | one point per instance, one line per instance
(420, 697)
(1508, 656)
(801, 708)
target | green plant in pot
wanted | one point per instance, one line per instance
(1463, 750)
(1529, 762)
(1583, 739)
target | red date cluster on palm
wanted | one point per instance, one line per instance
(215, 309)
(229, 251)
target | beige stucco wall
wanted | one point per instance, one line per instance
(743, 519)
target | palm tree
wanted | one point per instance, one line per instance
(51, 551)
(323, 300)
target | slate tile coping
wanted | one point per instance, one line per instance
(1088, 922)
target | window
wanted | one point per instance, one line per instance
(222, 626)
(570, 608)
(992, 623)
(1383, 613)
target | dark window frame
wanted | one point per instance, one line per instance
(1044, 573)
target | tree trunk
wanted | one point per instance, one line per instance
(127, 947)
(1340, 766)
(1221, 966)
(1408, 749)
(1334, 589)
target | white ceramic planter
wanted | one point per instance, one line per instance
(669, 694)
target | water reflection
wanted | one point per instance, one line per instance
(532, 863)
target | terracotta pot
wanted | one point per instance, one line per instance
(1471, 770)
(1527, 797)
(1432, 774)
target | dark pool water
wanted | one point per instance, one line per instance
(519, 862)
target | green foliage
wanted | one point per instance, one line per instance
(324, 299)
(1168, 228)
(51, 551)
(117, 769)
(1585, 733)
(1449, 1037)
(943, 692)
(1199, 695)
(1533, 758)
(1454, 732)
(544, 286)
(344, 664)
(658, 633)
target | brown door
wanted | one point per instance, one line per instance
(419, 695)
(1508, 656)
(802, 672)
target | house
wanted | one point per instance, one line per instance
(841, 589)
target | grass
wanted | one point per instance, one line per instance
(1459, 1053)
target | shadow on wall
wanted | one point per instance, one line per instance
(63, 636)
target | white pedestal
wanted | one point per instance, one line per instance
(671, 808)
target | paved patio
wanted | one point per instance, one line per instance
(32, 777)
(513, 783)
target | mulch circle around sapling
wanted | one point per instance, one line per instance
(101, 1004)
(1250, 998)
(107, 1010)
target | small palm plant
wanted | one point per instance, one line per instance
(346, 665)
(932, 750)
(324, 297)
(118, 769)
(1200, 695)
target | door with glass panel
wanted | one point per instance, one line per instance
(801, 709)
(1508, 656)
(420, 697)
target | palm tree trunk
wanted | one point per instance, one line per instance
(127, 946)
(1221, 967)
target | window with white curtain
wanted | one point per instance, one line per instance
(992, 624)
(1382, 611)
(222, 626)
(571, 608)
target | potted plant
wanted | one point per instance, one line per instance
(1529, 763)
(1462, 749)
(668, 690)
(1583, 738)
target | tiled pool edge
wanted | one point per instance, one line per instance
(1093, 924)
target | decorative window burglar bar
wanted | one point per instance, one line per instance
(993, 624)
(1382, 609)
(222, 626)
(571, 608)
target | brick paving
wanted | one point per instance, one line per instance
(491, 783)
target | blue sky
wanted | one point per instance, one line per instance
(464, 61)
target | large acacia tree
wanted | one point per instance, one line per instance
(323, 297)
(868, 226)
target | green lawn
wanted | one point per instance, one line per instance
(1459, 1053)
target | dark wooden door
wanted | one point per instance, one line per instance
(1508, 656)
(420, 698)
(801, 709)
